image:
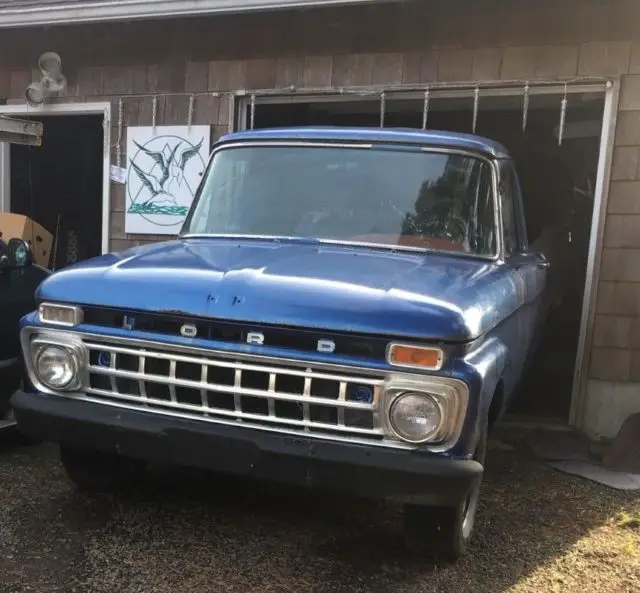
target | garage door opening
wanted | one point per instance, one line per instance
(59, 185)
(558, 183)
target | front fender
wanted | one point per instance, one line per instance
(481, 369)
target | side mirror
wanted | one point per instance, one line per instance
(20, 253)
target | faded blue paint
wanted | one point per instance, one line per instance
(406, 136)
(296, 282)
(486, 314)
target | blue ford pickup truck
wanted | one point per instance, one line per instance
(345, 308)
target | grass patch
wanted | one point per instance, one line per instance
(629, 519)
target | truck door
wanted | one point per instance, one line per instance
(530, 268)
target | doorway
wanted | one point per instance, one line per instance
(64, 184)
(559, 184)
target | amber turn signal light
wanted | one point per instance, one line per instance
(424, 357)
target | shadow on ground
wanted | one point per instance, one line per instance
(187, 531)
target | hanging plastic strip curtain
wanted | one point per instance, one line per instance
(563, 116)
(252, 115)
(154, 113)
(434, 90)
(476, 105)
(192, 101)
(525, 107)
(425, 108)
(120, 125)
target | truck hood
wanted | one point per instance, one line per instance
(295, 283)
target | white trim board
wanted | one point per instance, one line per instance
(88, 11)
(580, 395)
(103, 109)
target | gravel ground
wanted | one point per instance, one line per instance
(184, 532)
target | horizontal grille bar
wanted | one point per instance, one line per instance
(302, 399)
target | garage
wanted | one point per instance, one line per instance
(555, 137)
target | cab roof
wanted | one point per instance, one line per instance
(374, 135)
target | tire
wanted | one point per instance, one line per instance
(443, 532)
(98, 472)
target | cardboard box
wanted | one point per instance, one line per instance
(17, 226)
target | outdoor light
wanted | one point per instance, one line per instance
(35, 94)
(52, 80)
(415, 417)
(62, 315)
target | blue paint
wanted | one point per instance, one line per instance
(426, 296)
(406, 136)
(484, 314)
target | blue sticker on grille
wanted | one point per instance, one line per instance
(361, 394)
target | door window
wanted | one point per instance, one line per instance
(512, 215)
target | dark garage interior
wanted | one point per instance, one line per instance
(59, 185)
(557, 185)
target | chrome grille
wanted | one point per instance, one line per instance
(246, 390)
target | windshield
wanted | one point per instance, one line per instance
(387, 196)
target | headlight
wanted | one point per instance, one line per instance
(56, 366)
(415, 417)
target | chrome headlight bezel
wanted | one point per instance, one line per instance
(450, 395)
(77, 353)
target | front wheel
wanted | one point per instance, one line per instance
(443, 531)
(95, 471)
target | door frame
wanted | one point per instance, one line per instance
(610, 88)
(61, 109)
(579, 391)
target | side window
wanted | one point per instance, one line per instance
(509, 217)
(515, 232)
(516, 192)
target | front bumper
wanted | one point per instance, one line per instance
(369, 471)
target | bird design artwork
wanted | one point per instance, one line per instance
(167, 184)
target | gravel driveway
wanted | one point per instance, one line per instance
(186, 532)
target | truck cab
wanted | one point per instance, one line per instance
(345, 308)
